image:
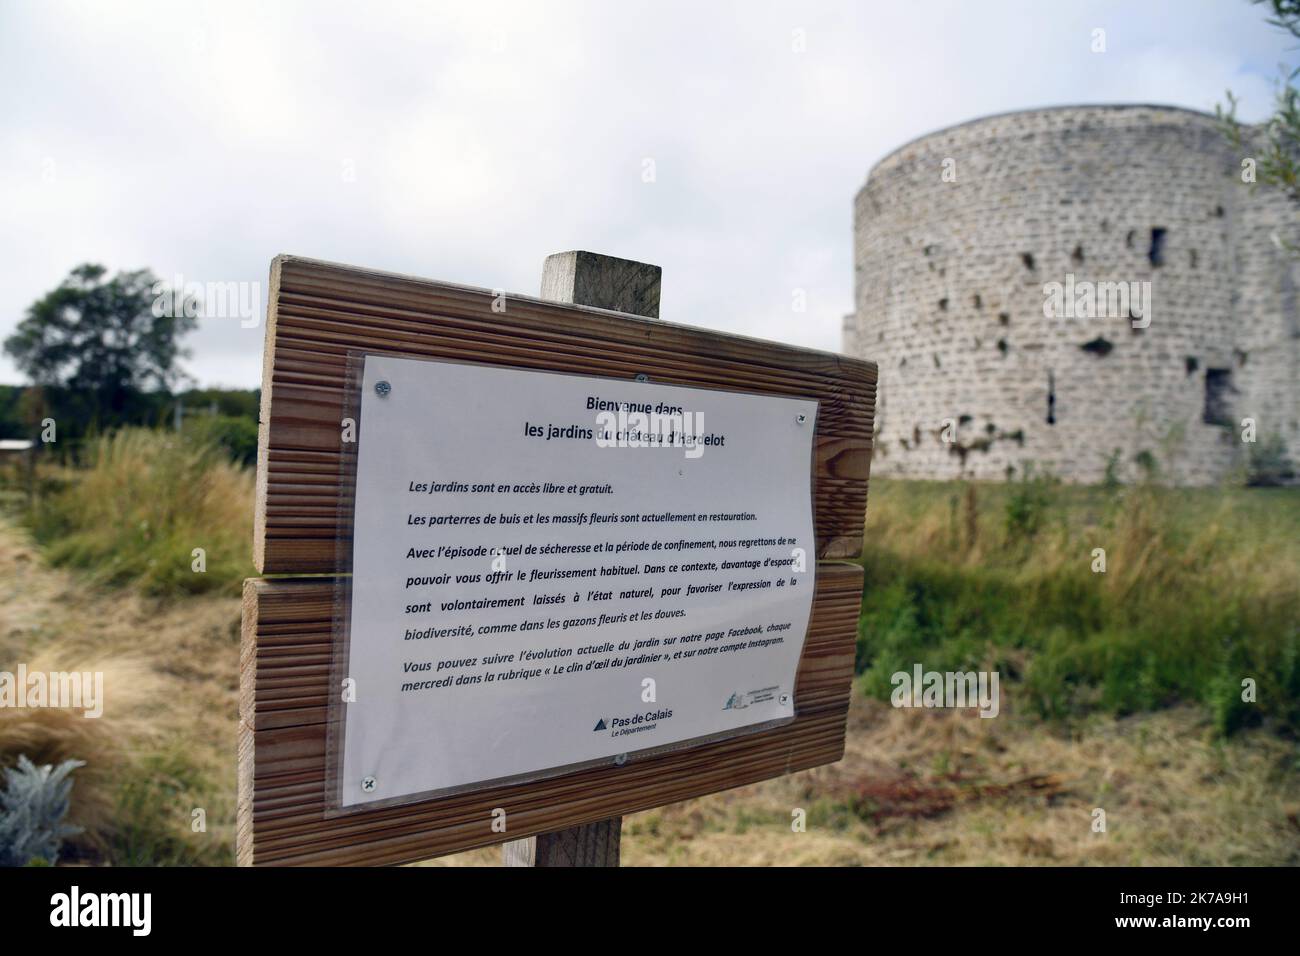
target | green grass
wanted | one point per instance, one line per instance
(153, 819)
(1201, 591)
(141, 505)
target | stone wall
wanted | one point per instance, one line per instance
(958, 234)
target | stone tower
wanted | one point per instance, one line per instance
(1075, 286)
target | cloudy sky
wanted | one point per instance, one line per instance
(465, 141)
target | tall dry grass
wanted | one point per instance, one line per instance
(142, 505)
(126, 600)
(51, 735)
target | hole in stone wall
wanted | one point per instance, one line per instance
(943, 305)
(1191, 363)
(1240, 356)
(1051, 397)
(935, 356)
(1218, 212)
(1077, 255)
(1218, 396)
(977, 301)
(1191, 257)
(1028, 259)
(1002, 347)
(1099, 346)
(1128, 239)
(1004, 318)
(1156, 251)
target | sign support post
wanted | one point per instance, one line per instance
(621, 285)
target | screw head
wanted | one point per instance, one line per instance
(368, 784)
(382, 388)
(642, 377)
(620, 760)
(785, 699)
(801, 419)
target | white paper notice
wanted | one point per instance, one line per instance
(551, 570)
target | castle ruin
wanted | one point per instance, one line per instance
(1083, 289)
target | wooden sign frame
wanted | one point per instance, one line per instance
(319, 312)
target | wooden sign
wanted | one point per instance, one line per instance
(320, 318)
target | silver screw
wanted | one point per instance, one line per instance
(368, 784)
(785, 698)
(642, 377)
(801, 419)
(620, 760)
(382, 388)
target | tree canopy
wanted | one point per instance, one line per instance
(1277, 140)
(102, 339)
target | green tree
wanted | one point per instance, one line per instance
(102, 340)
(1275, 145)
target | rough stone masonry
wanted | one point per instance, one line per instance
(965, 243)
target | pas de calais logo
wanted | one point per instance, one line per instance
(74, 908)
(735, 702)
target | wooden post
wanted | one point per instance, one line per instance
(621, 285)
(585, 278)
(31, 474)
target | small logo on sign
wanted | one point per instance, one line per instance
(735, 702)
(601, 725)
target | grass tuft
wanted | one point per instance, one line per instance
(142, 505)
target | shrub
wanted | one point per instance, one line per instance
(236, 435)
(1147, 464)
(33, 805)
(1111, 480)
(1268, 463)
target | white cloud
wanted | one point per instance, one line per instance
(203, 139)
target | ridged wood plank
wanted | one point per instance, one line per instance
(283, 712)
(318, 312)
